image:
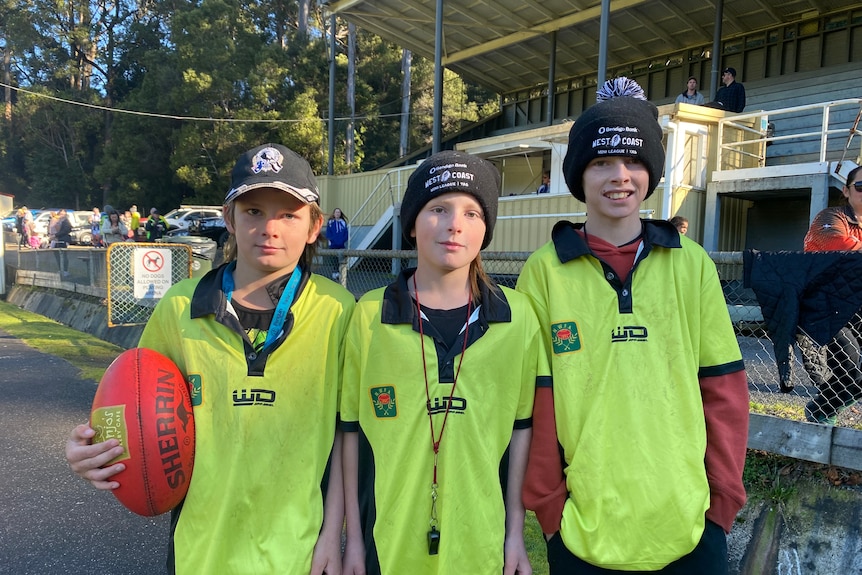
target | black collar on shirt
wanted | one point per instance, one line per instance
(399, 308)
(570, 245)
(210, 299)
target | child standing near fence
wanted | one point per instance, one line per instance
(638, 445)
(266, 492)
(436, 442)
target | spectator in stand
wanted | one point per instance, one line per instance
(95, 228)
(22, 218)
(336, 230)
(336, 234)
(838, 229)
(62, 239)
(34, 238)
(113, 229)
(545, 188)
(126, 218)
(156, 226)
(136, 222)
(731, 96)
(690, 95)
(52, 228)
(680, 223)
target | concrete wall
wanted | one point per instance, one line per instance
(84, 313)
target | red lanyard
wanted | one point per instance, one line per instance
(434, 535)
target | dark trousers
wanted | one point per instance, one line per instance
(62, 257)
(844, 358)
(708, 558)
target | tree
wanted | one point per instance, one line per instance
(113, 85)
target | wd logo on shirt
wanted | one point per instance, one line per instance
(242, 397)
(564, 336)
(629, 333)
(439, 405)
(195, 388)
(383, 401)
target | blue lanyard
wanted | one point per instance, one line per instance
(276, 326)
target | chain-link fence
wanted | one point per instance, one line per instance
(139, 274)
(822, 384)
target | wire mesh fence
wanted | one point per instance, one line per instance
(139, 274)
(823, 382)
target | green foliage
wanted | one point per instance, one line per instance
(766, 476)
(218, 61)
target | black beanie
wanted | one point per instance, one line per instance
(452, 171)
(622, 123)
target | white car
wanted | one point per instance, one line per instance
(184, 215)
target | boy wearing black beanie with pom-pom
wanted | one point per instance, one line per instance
(639, 441)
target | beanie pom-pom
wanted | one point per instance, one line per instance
(620, 87)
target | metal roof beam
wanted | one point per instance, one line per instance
(558, 24)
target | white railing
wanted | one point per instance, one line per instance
(754, 140)
(386, 193)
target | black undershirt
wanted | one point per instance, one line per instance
(448, 322)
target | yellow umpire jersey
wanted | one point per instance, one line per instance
(384, 400)
(626, 355)
(265, 424)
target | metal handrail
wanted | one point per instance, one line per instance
(737, 123)
(370, 211)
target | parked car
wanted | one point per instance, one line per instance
(43, 220)
(80, 220)
(9, 221)
(212, 228)
(184, 215)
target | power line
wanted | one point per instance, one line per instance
(192, 118)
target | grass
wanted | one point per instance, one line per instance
(535, 542)
(783, 409)
(89, 354)
(766, 476)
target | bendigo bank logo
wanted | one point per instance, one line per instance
(254, 396)
(565, 338)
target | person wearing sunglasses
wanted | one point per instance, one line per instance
(838, 229)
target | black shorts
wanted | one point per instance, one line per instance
(708, 558)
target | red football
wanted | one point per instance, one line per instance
(143, 401)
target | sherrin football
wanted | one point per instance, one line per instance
(143, 401)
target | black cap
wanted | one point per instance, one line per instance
(622, 123)
(451, 171)
(273, 166)
(729, 70)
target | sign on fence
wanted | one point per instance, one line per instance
(139, 274)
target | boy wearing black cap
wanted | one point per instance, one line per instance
(639, 442)
(731, 95)
(259, 340)
(430, 436)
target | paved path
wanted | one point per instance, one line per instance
(51, 522)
